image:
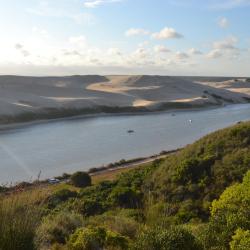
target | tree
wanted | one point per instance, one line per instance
(81, 179)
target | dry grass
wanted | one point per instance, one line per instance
(20, 214)
(109, 175)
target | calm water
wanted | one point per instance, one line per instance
(67, 146)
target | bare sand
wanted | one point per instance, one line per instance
(237, 85)
(20, 94)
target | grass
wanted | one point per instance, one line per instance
(20, 215)
(109, 175)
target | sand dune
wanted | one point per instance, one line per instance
(19, 94)
(241, 85)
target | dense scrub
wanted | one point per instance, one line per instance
(197, 198)
(192, 178)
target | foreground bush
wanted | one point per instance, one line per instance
(229, 213)
(96, 239)
(60, 196)
(125, 197)
(241, 240)
(174, 238)
(56, 229)
(80, 179)
(119, 224)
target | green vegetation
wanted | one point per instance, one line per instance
(80, 179)
(196, 198)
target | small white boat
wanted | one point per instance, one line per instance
(190, 121)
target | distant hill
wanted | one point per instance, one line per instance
(29, 98)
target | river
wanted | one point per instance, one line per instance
(79, 144)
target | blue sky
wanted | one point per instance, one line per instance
(168, 37)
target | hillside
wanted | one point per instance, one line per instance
(31, 98)
(197, 198)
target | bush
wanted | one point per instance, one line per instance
(174, 238)
(88, 206)
(60, 196)
(229, 213)
(96, 239)
(121, 225)
(80, 179)
(56, 228)
(87, 239)
(241, 240)
(125, 197)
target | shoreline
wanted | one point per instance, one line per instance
(93, 172)
(20, 125)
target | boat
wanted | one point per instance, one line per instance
(130, 131)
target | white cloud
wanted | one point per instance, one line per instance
(228, 44)
(194, 51)
(96, 3)
(140, 53)
(215, 53)
(161, 49)
(226, 47)
(166, 33)
(114, 52)
(19, 47)
(181, 55)
(223, 22)
(136, 32)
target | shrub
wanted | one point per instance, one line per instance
(241, 240)
(115, 241)
(56, 228)
(60, 196)
(80, 179)
(88, 206)
(95, 239)
(87, 239)
(174, 238)
(229, 213)
(122, 225)
(125, 197)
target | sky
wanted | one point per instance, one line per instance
(165, 37)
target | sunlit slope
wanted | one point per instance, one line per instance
(20, 94)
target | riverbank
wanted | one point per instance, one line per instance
(98, 174)
(19, 125)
